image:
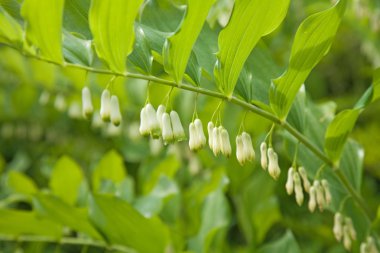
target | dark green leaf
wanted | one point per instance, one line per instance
(76, 50)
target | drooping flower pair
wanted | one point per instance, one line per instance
(294, 182)
(244, 149)
(319, 194)
(369, 246)
(161, 123)
(219, 140)
(344, 229)
(197, 138)
(269, 160)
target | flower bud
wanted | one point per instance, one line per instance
(338, 229)
(200, 133)
(160, 111)
(225, 140)
(239, 150)
(167, 132)
(346, 238)
(320, 195)
(289, 186)
(273, 168)
(105, 106)
(153, 125)
(326, 189)
(298, 188)
(115, 111)
(263, 153)
(193, 137)
(178, 132)
(305, 180)
(312, 201)
(144, 125)
(87, 107)
(249, 152)
(351, 229)
(210, 128)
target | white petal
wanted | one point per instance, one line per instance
(289, 186)
(153, 125)
(239, 150)
(200, 133)
(226, 145)
(160, 111)
(216, 146)
(338, 226)
(167, 132)
(273, 168)
(248, 148)
(320, 195)
(115, 111)
(210, 128)
(298, 188)
(326, 190)
(193, 137)
(178, 132)
(87, 103)
(105, 105)
(144, 129)
(312, 202)
(263, 153)
(306, 182)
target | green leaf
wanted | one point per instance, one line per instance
(338, 131)
(18, 182)
(58, 211)
(141, 56)
(66, 179)
(251, 20)
(14, 222)
(372, 93)
(376, 85)
(110, 168)
(75, 17)
(112, 27)
(178, 47)
(123, 225)
(10, 30)
(76, 50)
(312, 42)
(286, 244)
(44, 27)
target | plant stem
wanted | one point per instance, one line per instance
(68, 241)
(253, 108)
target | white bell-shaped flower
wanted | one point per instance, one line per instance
(217, 145)
(153, 124)
(167, 131)
(249, 152)
(326, 190)
(371, 245)
(351, 228)
(347, 242)
(263, 154)
(201, 135)
(144, 123)
(320, 195)
(178, 131)
(312, 199)
(105, 106)
(289, 186)
(226, 145)
(210, 128)
(87, 107)
(338, 226)
(273, 167)
(193, 137)
(115, 111)
(240, 150)
(160, 111)
(298, 188)
(305, 180)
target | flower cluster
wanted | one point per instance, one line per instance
(294, 182)
(160, 123)
(319, 194)
(109, 106)
(344, 229)
(219, 140)
(268, 154)
(197, 138)
(368, 246)
(244, 149)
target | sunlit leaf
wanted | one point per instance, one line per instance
(178, 47)
(10, 30)
(66, 179)
(18, 182)
(312, 41)
(251, 19)
(44, 27)
(112, 27)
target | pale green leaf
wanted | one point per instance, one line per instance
(14, 222)
(121, 224)
(112, 27)
(312, 42)
(286, 244)
(44, 27)
(58, 211)
(10, 30)
(251, 20)
(338, 131)
(110, 168)
(66, 179)
(178, 47)
(18, 182)
(372, 93)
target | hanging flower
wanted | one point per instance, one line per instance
(210, 129)
(305, 180)
(273, 167)
(105, 106)
(153, 124)
(326, 189)
(225, 141)
(289, 186)
(144, 123)
(178, 131)
(240, 150)
(264, 158)
(338, 226)
(298, 188)
(312, 199)
(115, 111)
(160, 111)
(197, 139)
(87, 107)
(167, 131)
